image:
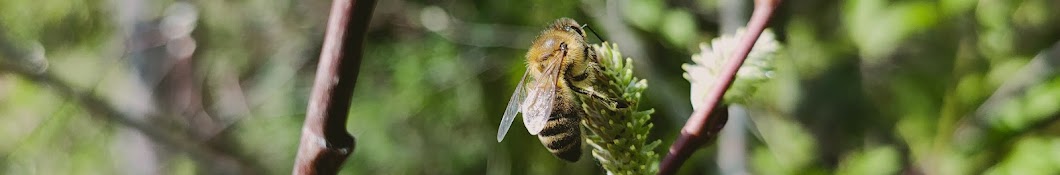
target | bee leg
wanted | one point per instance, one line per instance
(617, 103)
(614, 102)
(582, 78)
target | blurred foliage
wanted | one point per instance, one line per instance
(860, 86)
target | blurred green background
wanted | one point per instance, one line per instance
(220, 87)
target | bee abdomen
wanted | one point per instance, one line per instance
(562, 137)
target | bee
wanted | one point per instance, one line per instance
(560, 65)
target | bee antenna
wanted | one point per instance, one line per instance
(586, 26)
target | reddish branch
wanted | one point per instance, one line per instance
(325, 144)
(702, 127)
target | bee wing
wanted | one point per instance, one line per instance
(538, 106)
(512, 109)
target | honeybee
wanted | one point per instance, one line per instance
(560, 65)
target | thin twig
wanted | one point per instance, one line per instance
(32, 65)
(1037, 71)
(693, 135)
(978, 130)
(100, 108)
(325, 144)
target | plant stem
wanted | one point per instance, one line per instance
(325, 144)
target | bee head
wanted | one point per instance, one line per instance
(568, 25)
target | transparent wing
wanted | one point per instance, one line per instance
(512, 109)
(538, 106)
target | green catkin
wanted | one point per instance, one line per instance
(618, 137)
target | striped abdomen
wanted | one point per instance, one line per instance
(562, 134)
